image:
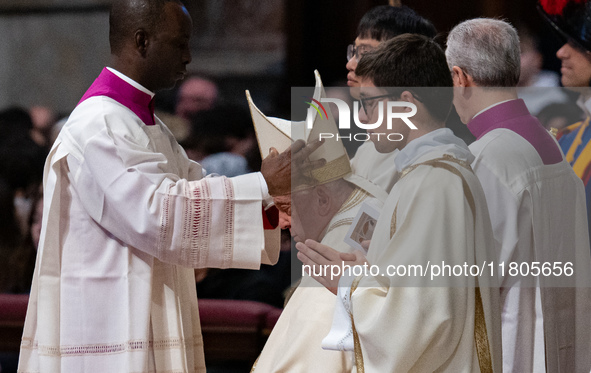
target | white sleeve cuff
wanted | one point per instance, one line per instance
(267, 199)
(340, 337)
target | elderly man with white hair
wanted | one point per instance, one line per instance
(321, 207)
(536, 204)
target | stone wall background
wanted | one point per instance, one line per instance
(49, 55)
(51, 50)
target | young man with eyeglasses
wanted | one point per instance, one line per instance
(435, 213)
(376, 26)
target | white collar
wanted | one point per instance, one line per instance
(131, 81)
(442, 138)
(584, 105)
(490, 107)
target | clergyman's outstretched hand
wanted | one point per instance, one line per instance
(279, 169)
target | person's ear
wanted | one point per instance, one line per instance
(409, 97)
(323, 199)
(141, 41)
(458, 77)
(461, 79)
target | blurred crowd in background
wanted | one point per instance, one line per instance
(217, 134)
(220, 136)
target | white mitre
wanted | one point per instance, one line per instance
(281, 133)
(270, 131)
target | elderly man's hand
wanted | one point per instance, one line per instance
(277, 168)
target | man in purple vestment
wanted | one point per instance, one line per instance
(525, 179)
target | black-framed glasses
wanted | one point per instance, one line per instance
(357, 52)
(368, 103)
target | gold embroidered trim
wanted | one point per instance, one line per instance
(332, 170)
(467, 191)
(356, 197)
(481, 335)
(440, 163)
(339, 223)
(357, 344)
(445, 157)
(228, 224)
(453, 159)
(393, 222)
(480, 332)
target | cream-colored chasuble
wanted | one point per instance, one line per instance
(435, 213)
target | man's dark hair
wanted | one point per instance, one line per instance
(127, 16)
(384, 22)
(406, 63)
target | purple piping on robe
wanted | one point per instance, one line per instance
(513, 115)
(110, 85)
